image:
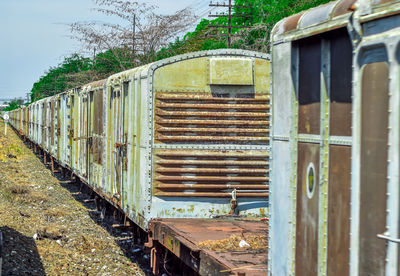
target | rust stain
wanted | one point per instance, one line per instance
(203, 118)
(211, 173)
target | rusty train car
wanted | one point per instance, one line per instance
(335, 207)
(185, 137)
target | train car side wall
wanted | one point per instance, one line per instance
(375, 157)
(311, 149)
(282, 229)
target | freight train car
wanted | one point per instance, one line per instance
(176, 138)
(334, 202)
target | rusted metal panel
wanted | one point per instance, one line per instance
(202, 118)
(374, 155)
(210, 173)
(292, 22)
(182, 236)
(307, 209)
(339, 210)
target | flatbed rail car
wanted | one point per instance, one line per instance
(183, 236)
(335, 131)
(186, 137)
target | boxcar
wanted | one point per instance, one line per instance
(334, 202)
(185, 133)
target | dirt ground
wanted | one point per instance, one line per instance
(48, 228)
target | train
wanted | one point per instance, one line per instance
(184, 137)
(308, 137)
(170, 139)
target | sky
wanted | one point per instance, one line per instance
(34, 36)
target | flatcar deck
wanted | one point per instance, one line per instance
(182, 237)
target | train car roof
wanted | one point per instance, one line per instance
(93, 85)
(144, 70)
(331, 16)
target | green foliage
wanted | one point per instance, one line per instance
(61, 78)
(261, 16)
(12, 105)
(264, 15)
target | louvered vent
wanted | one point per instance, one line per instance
(204, 173)
(207, 119)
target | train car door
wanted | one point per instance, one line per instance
(124, 141)
(95, 133)
(59, 144)
(72, 131)
(307, 206)
(44, 123)
(119, 95)
(67, 134)
(82, 139)
(52, 138)
(323, 154)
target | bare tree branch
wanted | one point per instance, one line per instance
(142, 31)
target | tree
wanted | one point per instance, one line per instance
(263, 16)
(140, 35)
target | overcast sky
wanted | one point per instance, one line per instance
(34, 36)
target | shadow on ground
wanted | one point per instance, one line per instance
(124, 239)
(20, 255)
(81, 193)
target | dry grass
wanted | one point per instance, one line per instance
(18, 189)
(11, 151)
(51, 231)
(55, 212)
(256, 242)
(85, 244)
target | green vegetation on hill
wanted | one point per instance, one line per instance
(263, 15)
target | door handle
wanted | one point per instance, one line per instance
(385, 237)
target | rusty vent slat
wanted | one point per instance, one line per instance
(205, 173)
(205, 119)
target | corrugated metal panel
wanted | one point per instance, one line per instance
(189, 173)
(203, 118)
